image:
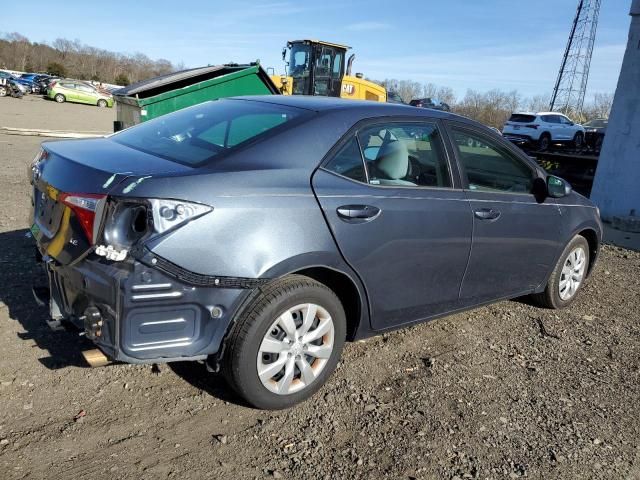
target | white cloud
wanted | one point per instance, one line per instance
(368, 26)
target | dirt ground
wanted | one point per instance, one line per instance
(506, 391)
(33, 111)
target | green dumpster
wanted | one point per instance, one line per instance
(160, 95)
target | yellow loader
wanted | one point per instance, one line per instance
(319, 68)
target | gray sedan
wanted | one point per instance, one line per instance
(258, 234)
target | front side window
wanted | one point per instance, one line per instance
(299, 59)
(395, 154)
(490, 167)
(198, 134)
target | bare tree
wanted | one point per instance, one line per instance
(77, 59)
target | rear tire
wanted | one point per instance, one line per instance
(544, 142)
(578, 140)
(263, 364)
(59, 98)
(3, 91)
(102, 103)
(567, 277)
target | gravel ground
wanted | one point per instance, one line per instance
(506, 391)
(34, 111)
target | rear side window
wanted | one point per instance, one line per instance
(395, 154)
(490, 167)
(551, 118)
(520, 118)
(198, 134)
(348, 162)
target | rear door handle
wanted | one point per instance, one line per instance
(358, 213)
(486, 214)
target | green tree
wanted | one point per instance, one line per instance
(56, 69)
(122, 79)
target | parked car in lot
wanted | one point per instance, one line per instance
(44, 83)
(541, 130)
(259, 233)
(22, 85)
(78, 92)
(595, 131)
(430, 103)
(35, 79)
(9, 87)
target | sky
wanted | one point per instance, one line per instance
(462, 44)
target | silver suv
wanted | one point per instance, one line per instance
(542, 129)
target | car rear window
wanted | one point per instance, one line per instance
(199, 134)
(520, 118)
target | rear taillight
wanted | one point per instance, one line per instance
(85, 206)
(52, 84)
(535, 127)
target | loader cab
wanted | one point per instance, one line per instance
(316, 68)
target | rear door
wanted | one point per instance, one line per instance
(86, 94)
(68, 89)
(399, 217)
(515, 238)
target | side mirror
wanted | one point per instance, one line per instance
(284, 53)
(557, 187)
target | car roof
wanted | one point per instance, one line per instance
(365, 107)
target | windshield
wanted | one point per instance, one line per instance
(598, 123)
(198, 134)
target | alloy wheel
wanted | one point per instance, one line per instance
(572, 273)
(295, 349)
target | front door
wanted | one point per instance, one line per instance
(328, 71)
(515, 238)
(398, 218)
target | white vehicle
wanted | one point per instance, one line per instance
(542, 129)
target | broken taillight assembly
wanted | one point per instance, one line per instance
(85, 206)
(128, 221)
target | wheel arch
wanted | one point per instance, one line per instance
(345, 289)
(591, 237)
(590, 233)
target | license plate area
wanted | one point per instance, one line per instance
(47, 213)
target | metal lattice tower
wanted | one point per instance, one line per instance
(571, 85)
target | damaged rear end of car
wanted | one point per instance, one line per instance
(92, 234)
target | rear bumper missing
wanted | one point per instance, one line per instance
(142, 312)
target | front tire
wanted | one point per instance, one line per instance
(3, 91)
(59, 98)
(286, 343)
(567, 277)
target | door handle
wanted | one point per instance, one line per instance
(486, 214)
(358, 213)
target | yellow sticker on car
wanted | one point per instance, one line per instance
(53, 192)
